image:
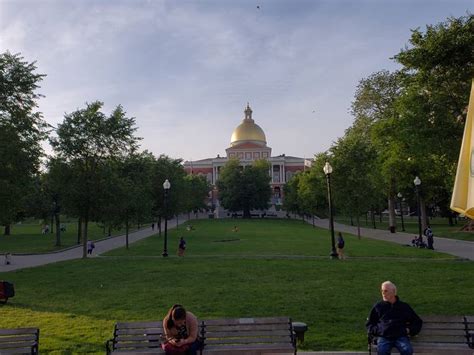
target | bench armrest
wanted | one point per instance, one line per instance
(109, 346)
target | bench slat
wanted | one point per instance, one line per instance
(247, 333)
(19, 331)
(246, 341)
(133, 331)
(236, 321)
(138, 345)
(13, 339)
(239, 327)
(139, 325)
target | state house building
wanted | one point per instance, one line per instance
(248, 143)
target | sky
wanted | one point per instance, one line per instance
(185, 70)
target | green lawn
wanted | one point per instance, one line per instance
(268, 268)
(440, 226)
(27, 237)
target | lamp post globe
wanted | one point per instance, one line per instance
(328, 171)
(166, 187)
(417, 183)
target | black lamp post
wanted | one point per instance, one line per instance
(328, 171)
(166, 187)
(400, 196)
(417, 183)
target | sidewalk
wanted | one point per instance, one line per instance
(459, 248)
(101, 246)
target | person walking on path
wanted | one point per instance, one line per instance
(181, 247)
(429, 237)
(90, 247)
(340, 246)
(393, 322)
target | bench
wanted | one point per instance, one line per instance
(19, 341)
(439, 335)
(220, 336)
(470, 330)
(136, 337)
(248, 336)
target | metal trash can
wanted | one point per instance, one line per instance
(299, 328)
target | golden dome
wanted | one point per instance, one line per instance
(248, 130)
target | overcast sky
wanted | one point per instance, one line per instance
(186, 69)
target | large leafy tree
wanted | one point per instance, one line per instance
(438, 67)
(86, 140)
(21, 132)
(244, 188)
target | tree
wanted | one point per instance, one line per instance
(171, 169)
(197, 189)
(86, 140)
(21, 133)
(244, 188)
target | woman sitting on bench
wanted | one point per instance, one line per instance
(181, 332)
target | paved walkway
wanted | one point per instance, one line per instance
(459, 248)
(101, 246)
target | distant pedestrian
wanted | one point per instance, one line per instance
(8, 258)
(340, 246)
(90, 247)
(181, 247)
(429, 237)
(235, 229)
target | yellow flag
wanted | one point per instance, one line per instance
(462, 200)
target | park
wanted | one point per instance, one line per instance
(116, 203)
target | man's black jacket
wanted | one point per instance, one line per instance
(392, 320)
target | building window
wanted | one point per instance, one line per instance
(256, 155)
(248, 156)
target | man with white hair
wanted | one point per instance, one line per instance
(393, 322)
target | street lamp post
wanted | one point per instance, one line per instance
(417, 183)
(328, 171)
(400, 196)
(166, 187)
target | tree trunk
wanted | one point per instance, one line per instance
(7, 229)
(126, 232)
(79, 230)
(373, 218)
(358, 225)
(246, 213)
(110, 231)
(159, 226)
(391, 214)
(84, 238)
(52, 224)
(177, 221)
(424, 216)
(58, 229)
(366, 219)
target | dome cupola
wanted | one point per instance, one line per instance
(248, 131)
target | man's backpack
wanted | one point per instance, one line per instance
(6, 291)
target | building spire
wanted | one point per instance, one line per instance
(248, 112)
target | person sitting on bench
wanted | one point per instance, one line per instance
(393, 321)
(181, 331)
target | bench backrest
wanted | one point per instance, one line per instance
(19, 340)
(260, 335)
(131, 336)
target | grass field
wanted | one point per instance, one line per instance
(440, 226)
(27, 238)
(268, 268)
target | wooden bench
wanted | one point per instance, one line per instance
(470, 330)
(248, 336)
(221, 336)
(439, 335)
(19, 341)
(136, 337)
